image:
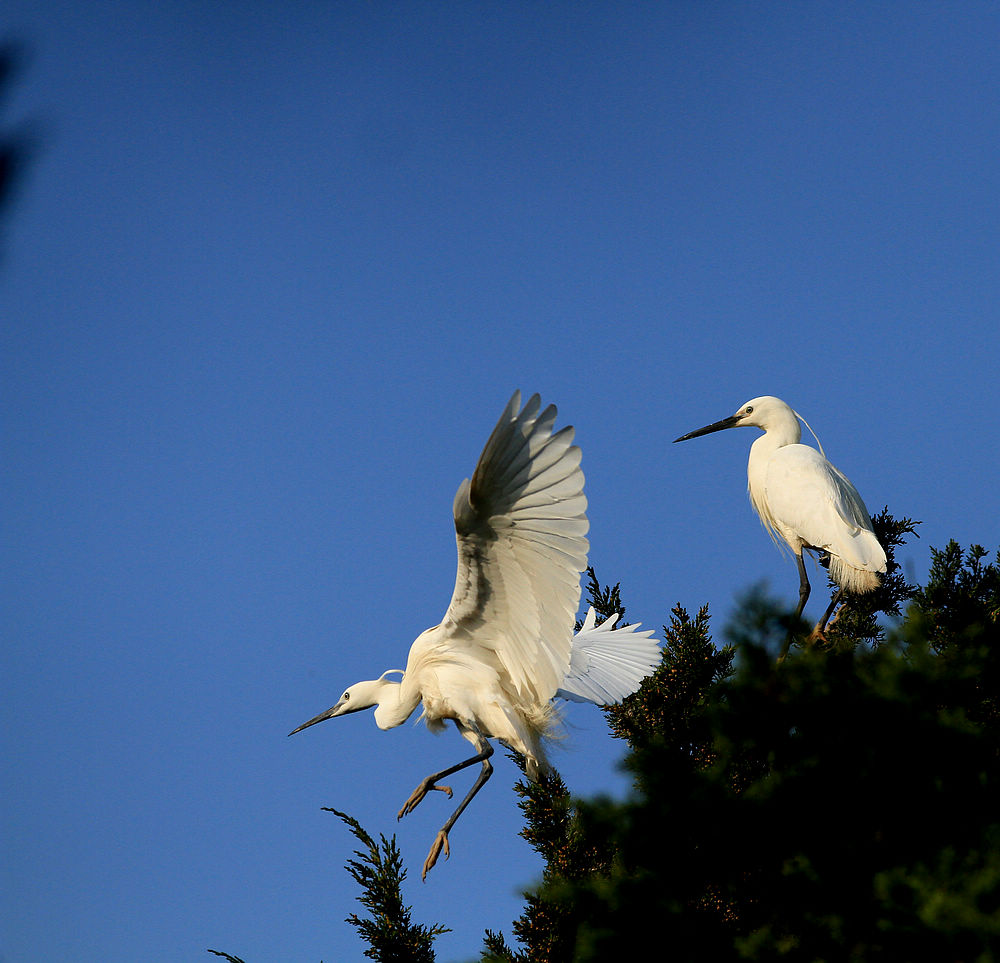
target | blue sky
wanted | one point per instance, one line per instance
(272, 275)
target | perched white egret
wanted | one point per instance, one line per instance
(805, 501)
(506, 646)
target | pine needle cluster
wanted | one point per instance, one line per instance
(388, 930)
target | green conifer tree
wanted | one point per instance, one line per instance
(391, 935)
(842, 806)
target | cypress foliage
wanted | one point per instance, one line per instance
(844, 805)
(378, 870)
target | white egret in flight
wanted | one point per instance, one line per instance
(506, 646)
(805, 501)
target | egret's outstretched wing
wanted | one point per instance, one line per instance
(520, 525)
(607, 664)
(820, 504)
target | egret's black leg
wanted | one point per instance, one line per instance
(426, 785)
(441, 840)
(821, 625)
(803, 586)
(803, 598)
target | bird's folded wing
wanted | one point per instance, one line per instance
(819, 502)
(520, 525)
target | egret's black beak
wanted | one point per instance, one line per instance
(322, 717)
(729, 422)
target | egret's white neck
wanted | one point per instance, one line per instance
(395, 704)
(782, 429)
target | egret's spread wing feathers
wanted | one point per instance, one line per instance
(818, 502)
(607, 664)
(520, 525)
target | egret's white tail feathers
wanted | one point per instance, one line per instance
(529, 729)
(857, 580)
(607, 664)
(856, 561)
